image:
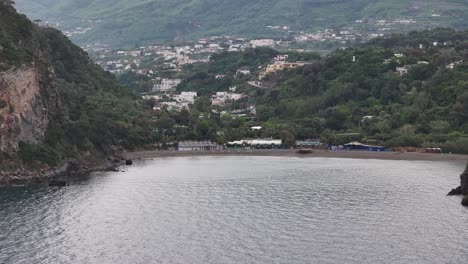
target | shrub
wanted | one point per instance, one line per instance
(405, 140)
(41, 153)
(459, 146)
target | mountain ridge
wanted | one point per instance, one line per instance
(128, 23)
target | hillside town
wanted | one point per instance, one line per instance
(152, 58)
(173, 101)
(149, 60)
(166, 97)
(164, 66)
(172, 59)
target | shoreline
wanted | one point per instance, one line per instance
(74, 168)
(69, 169)
(410, 156)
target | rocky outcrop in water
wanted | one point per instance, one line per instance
(70, 169)
(58, 183)
(464, 182)
(456, 191)
(21, 176)
(463, 188)
(465, 201)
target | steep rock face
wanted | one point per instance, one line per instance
(23, 115)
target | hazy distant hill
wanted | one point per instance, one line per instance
(131, 22)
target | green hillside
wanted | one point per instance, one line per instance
(340, 99)
(127, 23)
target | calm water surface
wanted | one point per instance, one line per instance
(242, 210)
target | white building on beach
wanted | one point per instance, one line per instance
(268, 143)
(199, 146)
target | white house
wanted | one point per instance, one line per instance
(188, 97)
(156, 97)
(198, 146)
(243, 71)
(281, 57)
(402, 70)
(257, 143)
(451, 66)
(221, 98)
(165, 85)
(235, 47)
(262, 43)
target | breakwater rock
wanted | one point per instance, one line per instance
(71, 168)
(463, 188)
(464, 182)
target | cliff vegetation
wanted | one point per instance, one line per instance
(66, 107)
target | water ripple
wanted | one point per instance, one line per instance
(242, 210)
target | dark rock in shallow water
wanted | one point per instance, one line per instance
(463, 188)
(465, 201)
(456, 191)
(464, 181)
(57, 183)
(129, 162)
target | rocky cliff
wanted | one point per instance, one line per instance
(23, 114)
(56, 105)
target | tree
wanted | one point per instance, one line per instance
(151, 102)
(203, 104)
(264, 112)
(460, 110)
(336, 119)
(165, 123)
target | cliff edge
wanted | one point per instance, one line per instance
(57, 105)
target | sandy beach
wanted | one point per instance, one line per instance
(293, 153)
